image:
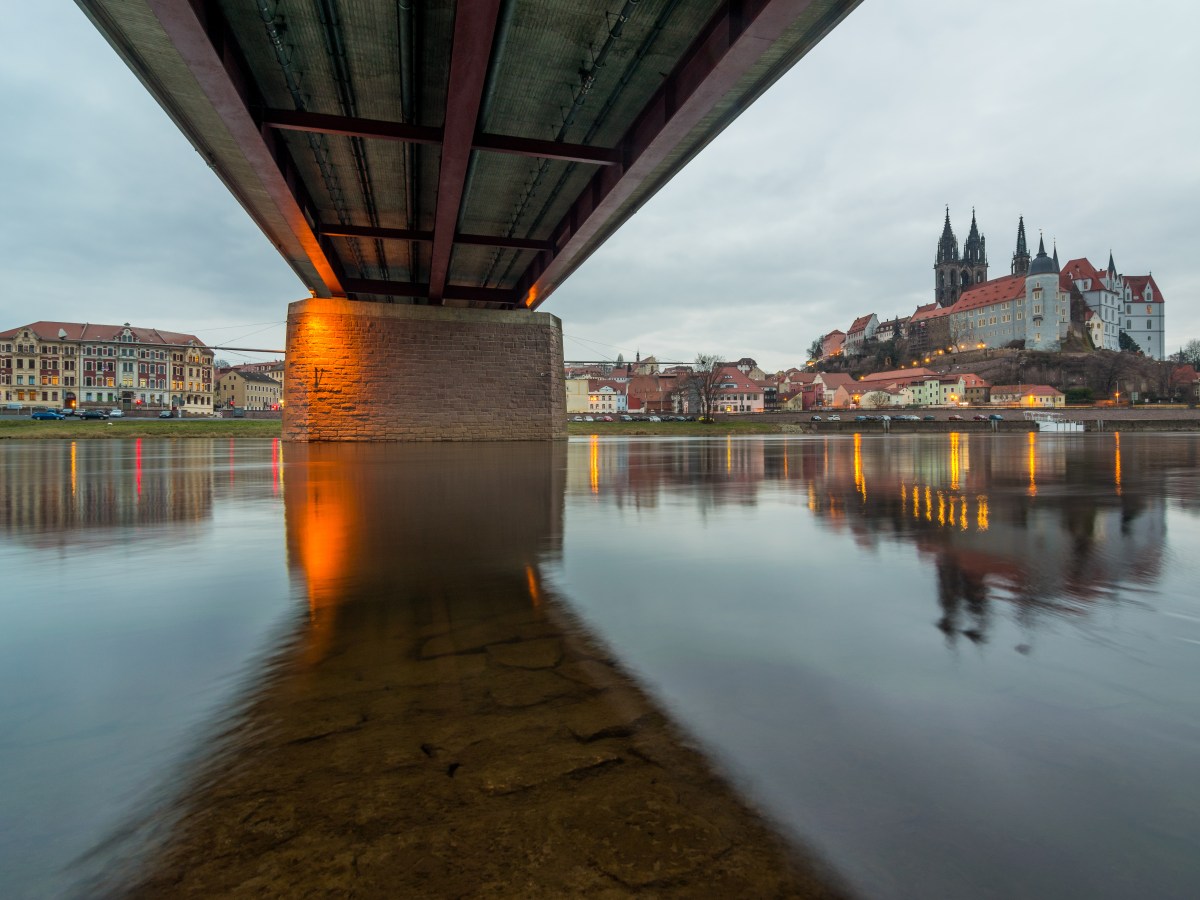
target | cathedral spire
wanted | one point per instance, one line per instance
(1112, 269)
(1020, 260)
(1056, 265)
(973, 248)
(947, 251)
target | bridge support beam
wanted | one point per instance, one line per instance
(360, 371)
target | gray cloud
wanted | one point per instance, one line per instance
(823, 201)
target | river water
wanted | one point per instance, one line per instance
(908, 666)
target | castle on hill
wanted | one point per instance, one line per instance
(1030, 307)
(1033, 303)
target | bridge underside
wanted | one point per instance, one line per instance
(468, 154)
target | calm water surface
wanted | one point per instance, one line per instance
(944, 665)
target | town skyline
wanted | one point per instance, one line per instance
(824, 199)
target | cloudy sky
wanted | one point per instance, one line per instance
(824, 201)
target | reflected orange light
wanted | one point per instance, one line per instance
(73, 468)
(275, 465)
(1117, 470)
(928, 504)
(1032, 465)
(324, 546)
(594, 463)
(535, 595)
(941, 508)
(981, 512)
(531, 297)
(728, 454)
(963, 519)
(860, 481)
(916, 503)
(137, 466)
(955, 461)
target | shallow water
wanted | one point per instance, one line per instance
(943, 665)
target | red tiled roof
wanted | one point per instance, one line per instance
(836, 331)
(971, 380)
(87, 331)
(596, 384)
(1137, 284)
(929, 311)
(835, 380)
(730, 374)
(998, 290)
(860, 323)
(898, 375)
(1025, 390)
(1185, 374)
(1080, 270)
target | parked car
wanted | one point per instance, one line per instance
(626, 418)
(46, 414)
(93, 414)
(861, 418)
(607, 419)
(115, 413)
(814, 419)
(996, 417)
(954, 417)
(979, 417)
(166, 414)
(931, 418)
(833, 419)
(654, 419)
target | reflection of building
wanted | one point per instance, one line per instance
(71, 363)
(56, 489)
(1047, 524)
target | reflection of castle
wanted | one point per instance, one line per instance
(1046, 524)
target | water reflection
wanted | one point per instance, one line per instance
(439, 726)
(935, 657)
(1047, 529)
(956, 665)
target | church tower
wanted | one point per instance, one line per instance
(1020, 260)
(954, 274)
(974, 259)
(946, 265)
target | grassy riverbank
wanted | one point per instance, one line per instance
(73, 430)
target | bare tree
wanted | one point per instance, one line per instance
(703, 382)
(875, 400)
(1188, 354)
(1105, 371)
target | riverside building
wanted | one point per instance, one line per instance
(80, 364)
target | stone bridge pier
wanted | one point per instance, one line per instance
(359, 371)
